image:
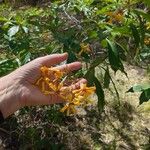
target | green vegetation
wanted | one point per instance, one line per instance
(103, 35)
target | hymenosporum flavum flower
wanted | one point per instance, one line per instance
(147, 41)
(84, 48)
(148, 25)
(51, 82)
(115, 17)
(79, 97)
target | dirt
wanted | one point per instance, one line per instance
(124, 127)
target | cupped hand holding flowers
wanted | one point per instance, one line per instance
(18, 89)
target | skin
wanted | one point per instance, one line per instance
(18, 90)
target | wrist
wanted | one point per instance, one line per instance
(9, 95)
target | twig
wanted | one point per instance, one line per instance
(5, 131)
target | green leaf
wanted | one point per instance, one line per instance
(8, 65)
(139, 88)
(89, 76)
(147, 2)
(145, 54)
(2, 19)
(97, 61)
(13, 30)
(72, 57)
(135, 34)
(24, 56)
(100, 94)
(25, 29)
(143, 14)
(114, 58)
(122, 51)
(145, 89)
(106, 78)
(122, 31)
(145, 96)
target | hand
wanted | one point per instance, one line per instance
(17, 89)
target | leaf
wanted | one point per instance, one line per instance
(122, 51)
(24, 57)
(135, 34)
(139, 88)
(93, 34)
(114, 59)
(143, 14)
(13, 30)
(145, 89)
(88, 2)
(121, 31)
(106, 78)
(147, 2)
(145, 54)
(72, 57)
(100, 94)
(2, 19)
(97, 61)
(7, 66)
(89, 76)
(145, 96)
(25, 29)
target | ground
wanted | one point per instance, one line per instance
(124, 127)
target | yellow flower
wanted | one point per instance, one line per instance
(84, 48)
(119, 17)
(51, 82)
(84, 90)
(114, 17)
(78, 100)
(44, 71)
(147, 41)
(55, 86)
(58, 74)
(52, 73)
(66, 94)
(69, 109)
(148, 25)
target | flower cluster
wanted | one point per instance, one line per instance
(148, 25)
(147, 41)
(85, 48)
(51, 82)
(115, 17)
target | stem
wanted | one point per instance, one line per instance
(118, 97)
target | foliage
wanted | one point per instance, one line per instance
(98, 33)
(145, 89)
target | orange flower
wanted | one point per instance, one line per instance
(51, 73)
(84, 90)
(58, 74)
(69, 109)
(147, 41)
(51, 83)
(66, 94)
(115, 17)
(84, 48)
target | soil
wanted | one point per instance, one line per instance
(119, 127)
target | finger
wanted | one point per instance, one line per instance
(69, 67)
(77, 85)
(51, 60)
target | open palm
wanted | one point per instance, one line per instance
(29, 73)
